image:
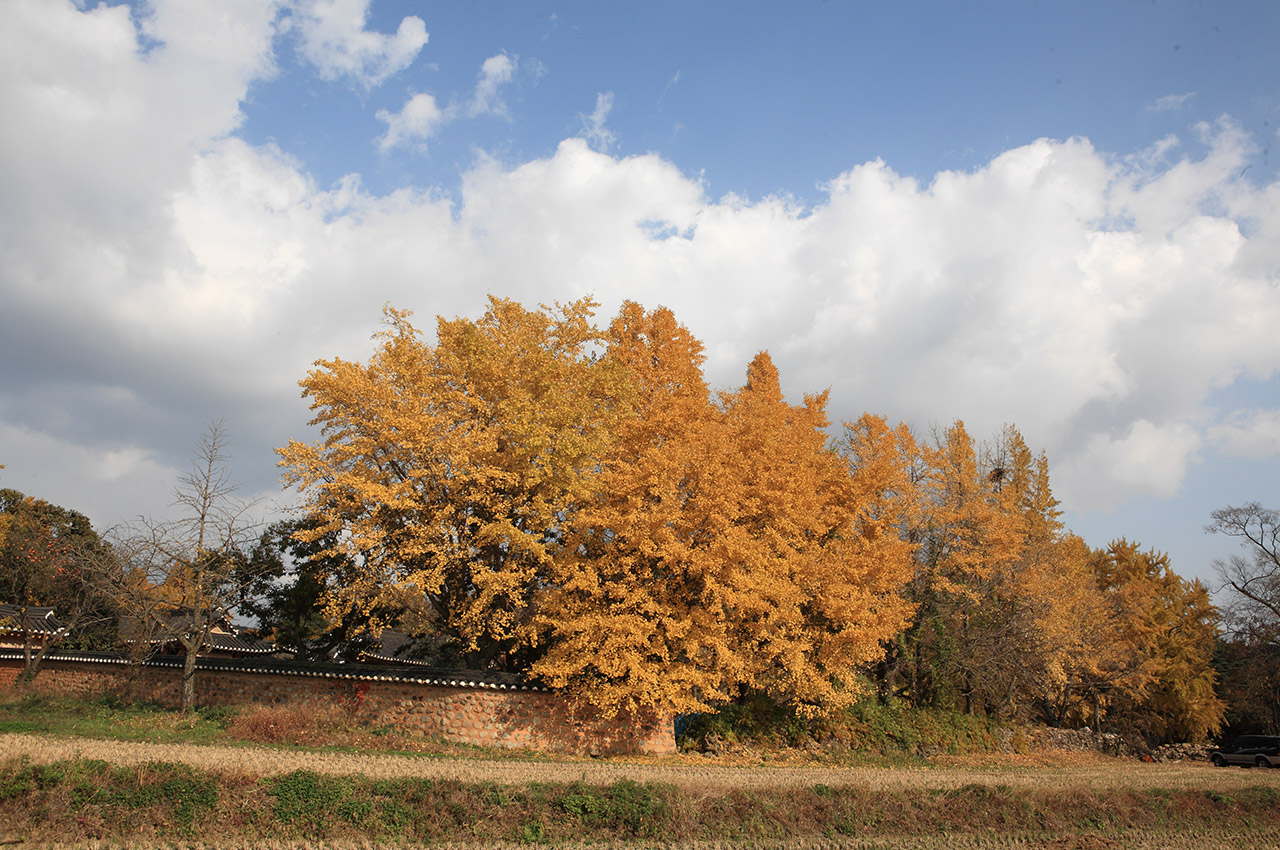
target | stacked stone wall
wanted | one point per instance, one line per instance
(484, 716)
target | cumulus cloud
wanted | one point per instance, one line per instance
(421, 117)
(494, 74)
(169, 273)
(333, 37)
(1149, 458)
(416, 122)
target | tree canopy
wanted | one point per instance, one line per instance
(450, 470)
(580, 502)
(533, 493)
(43, 549)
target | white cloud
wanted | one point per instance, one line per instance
(1171, 102)
(1249, 433)
(421, 117)
(494, 74)
(417, 121)
(1096, 300)
(1149, 459)
(334, 39)
(594, 131)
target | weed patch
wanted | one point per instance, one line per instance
(90, 791)
(625, 807)
(866, 727)
(310, 800)
(295, 725)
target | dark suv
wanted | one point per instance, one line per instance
(1250, 751)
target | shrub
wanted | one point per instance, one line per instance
(868, 726)
(219, 715)
(297, 725)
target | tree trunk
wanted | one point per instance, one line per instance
(917, 698)
(189, 680)
(31, 660)
(29, 668)
(968, 671)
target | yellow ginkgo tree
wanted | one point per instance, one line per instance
(637, 617)
(449, 472)
(727, 550)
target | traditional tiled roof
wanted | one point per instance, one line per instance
(392, 648)
(439, 676)
(30, 619)
(221, 639)
(220, 642)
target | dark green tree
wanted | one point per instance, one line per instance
(288, 594)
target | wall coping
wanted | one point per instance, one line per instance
(440, 677)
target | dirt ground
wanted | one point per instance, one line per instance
(1040, 770)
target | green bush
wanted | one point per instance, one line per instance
(868, 726)
(219, 715)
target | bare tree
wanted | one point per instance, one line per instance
(1252, 579)
(176, 580)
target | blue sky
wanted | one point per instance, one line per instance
(759, 101)
(1061, 215)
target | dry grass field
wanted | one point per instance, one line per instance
(100, 774)
(1040, 771)
(103, 793)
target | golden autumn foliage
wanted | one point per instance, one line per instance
(449, 470)
(969, 536)
(636, 616)
(1018, 618)
(728, 548)
(535, 494)
(1168, 627)
(972, 533)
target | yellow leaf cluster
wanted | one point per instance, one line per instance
(451, 469)
(541, 495)
(727, 547)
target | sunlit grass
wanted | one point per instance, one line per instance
(108, 718)
(77, 801)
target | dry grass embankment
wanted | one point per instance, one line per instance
(1039, 771)
(88, 802)
(87, 774)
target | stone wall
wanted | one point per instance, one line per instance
(478, 713)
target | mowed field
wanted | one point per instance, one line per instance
(278, 797)
(691, 772)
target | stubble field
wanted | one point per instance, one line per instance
(58, 791)
(1043, 772)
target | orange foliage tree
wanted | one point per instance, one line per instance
(636, 616)
(542, 496)
(449, 472)
(967, 541)
(1167, 628)
(727, 548)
